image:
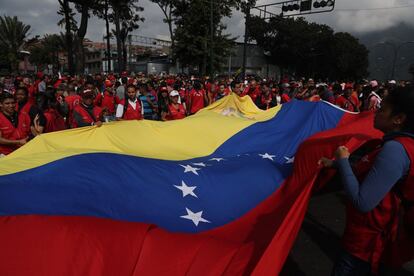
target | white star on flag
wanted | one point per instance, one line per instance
(217, 159)
(186, 189)
(200, 164)
(196, 218)
(290, 160)
(267, 156)
(188, 168)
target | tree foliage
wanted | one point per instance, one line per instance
(194, 29)
(13, 38)
(46, 50)
(310, 49)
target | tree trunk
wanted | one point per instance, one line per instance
(80, 52)
(124, 54)
(118, 40)
(68, 37)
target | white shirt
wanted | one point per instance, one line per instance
(120, 108)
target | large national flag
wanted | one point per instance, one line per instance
(223, 192)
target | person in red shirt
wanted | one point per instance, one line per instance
(14, 129)
(253, 90)
(86, 114)
(197, 99)
(72, 100)
(347, 101)
(176, 111)
(266, 100)
(30, 88)
(53, 112)
(24, 107)
(133, 111)
(108, 100)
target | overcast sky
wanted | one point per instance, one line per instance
(355, 16)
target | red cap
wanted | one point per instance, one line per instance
(124, 74)
(39, 75)
(164, 89)
(108, 83)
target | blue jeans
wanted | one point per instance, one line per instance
(349, 265)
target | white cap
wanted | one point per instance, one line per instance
(174, 93)
(392, 82)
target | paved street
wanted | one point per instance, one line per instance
(318, 242)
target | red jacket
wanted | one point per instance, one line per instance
(54, 121)
(86, 117)
(371, 236)
(8, 131)
(197, 100)
(131, 113)
(25, 108)
(176, 114)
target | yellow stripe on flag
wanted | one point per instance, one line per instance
(196, 136)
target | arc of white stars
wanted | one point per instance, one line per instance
(196, 218)
(268, 156)
(200, 165)
(188, 169)
(217, 159)
(187, 190)
(290, 160)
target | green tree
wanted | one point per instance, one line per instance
(350, 56)
(125, 16)
(13, 38)
(46, 50)
(167, 7)
(310, 49)
(85, 8)
(69, 23)
(199, 33)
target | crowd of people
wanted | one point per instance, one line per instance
(379, 189)
(32, 105)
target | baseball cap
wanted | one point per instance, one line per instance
(373, 83)
(108, 83)
(174, 93)
(87, 92)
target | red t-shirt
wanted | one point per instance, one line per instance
(108, 101)
(197, 100)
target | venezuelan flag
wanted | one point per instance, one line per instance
(220, 193)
